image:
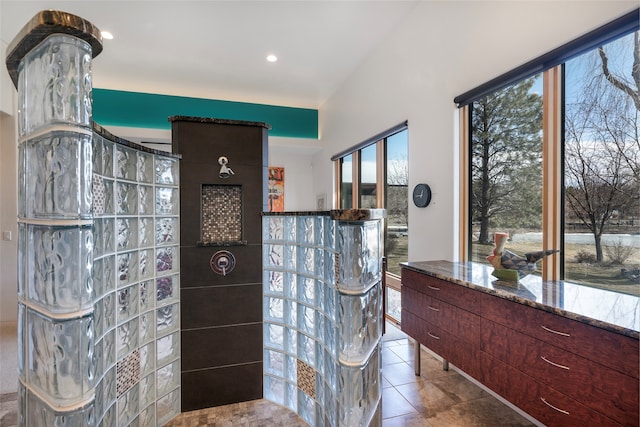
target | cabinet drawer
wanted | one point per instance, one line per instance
(449, 347)
(610, 349)
(452, 293)
(600, 388)
(543, 403)
(426, 334)
(454, 320)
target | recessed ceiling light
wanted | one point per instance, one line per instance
(272, 58)
(107, 35)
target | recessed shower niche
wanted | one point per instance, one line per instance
(221, 214)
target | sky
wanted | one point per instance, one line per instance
(397, 150)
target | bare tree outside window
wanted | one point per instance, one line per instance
(602, 165)
(397, 191)
(397, 201)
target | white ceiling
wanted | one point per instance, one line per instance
(216, 49)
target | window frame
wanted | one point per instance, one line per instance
(551, 66)
(552, 174)
(381, 168)
(390, 280)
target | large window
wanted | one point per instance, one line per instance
(382, 178)
(506, 168)
(602, 167)
(559, 168)
(397, 205)
(396, 201)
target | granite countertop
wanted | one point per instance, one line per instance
(613, 311)
(337, 214)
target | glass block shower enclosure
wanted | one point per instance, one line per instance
(323, 315)
(98, 285)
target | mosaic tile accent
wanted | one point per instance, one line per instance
(221, 213)
(99, 196)
(306, 378)
(127, 372)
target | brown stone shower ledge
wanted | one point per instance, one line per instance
(217, 121)
(231, 243)
(98, 129)
(42, 25)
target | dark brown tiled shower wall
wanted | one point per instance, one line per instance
(221, 316)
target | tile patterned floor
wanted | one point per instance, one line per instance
(257, 413)
(436, 398)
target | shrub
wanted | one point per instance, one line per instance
(585, 257)
(618, 253)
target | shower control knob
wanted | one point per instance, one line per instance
(223, 262)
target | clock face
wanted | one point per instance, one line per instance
(421, 195)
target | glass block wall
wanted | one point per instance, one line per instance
(56, 323)
(98, 281)
(136, 285)
(323, 317)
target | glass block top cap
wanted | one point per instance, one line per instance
(42, 25)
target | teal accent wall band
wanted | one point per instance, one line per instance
(146, 110)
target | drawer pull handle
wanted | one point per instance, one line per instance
(553, 407)
(433, 308)
(433, 336)
(433, 288)
(564, 334)
(554, 364)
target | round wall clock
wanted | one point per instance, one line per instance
(422, 195)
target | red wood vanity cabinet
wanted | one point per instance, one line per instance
(561, 371)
